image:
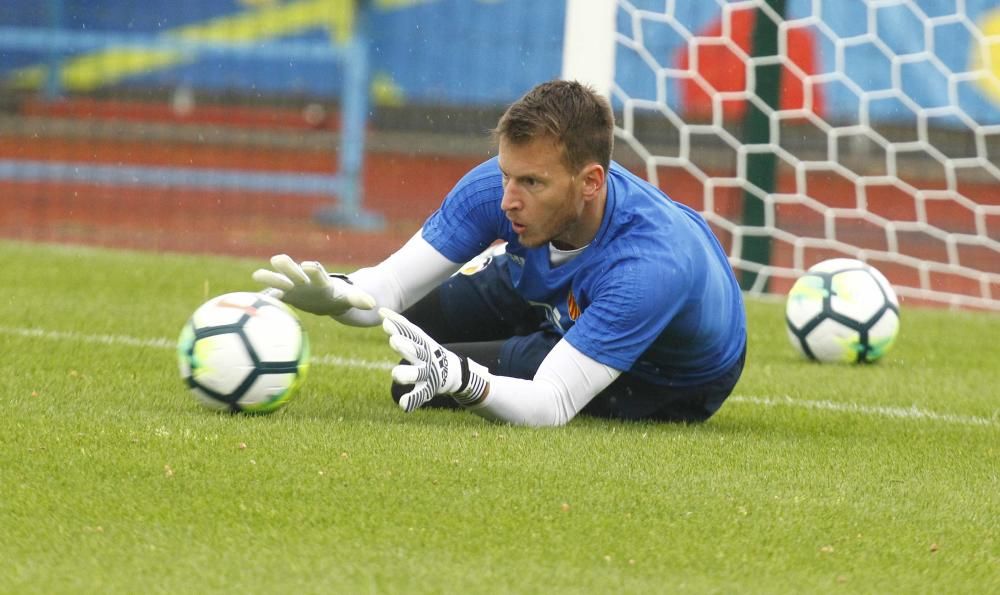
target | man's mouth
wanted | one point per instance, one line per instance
(518, 228)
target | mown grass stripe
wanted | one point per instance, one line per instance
(909, 413)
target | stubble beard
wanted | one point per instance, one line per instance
(563, 227)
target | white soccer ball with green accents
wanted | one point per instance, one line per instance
(243, 352)
(842, 310)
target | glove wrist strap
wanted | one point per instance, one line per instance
(475, 384)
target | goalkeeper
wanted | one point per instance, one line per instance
(599, 294)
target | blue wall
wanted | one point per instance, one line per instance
(488, 52)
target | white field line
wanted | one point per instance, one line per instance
(912, 413)
(323, 360)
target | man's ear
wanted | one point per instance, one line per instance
(593, 177)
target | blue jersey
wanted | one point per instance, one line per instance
(652, 294)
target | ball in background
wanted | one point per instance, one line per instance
(243, 352)
(842, 310)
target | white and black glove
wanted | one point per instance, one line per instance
(432, 369)
(310, 288)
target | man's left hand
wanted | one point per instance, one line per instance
(432, 369)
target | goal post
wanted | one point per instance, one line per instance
(884, 131)
(589, 43)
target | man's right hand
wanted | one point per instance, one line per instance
(308, 287)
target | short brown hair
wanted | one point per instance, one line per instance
(572, 114)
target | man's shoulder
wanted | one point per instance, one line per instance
(481, 184)
(625, 176)
(486, 175)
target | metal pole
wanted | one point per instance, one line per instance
(53, 79)
(350, 212)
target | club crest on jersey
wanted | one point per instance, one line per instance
(474, 266)
(572, 307)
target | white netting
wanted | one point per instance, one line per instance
(886, 140)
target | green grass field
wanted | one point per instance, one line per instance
(876, 479)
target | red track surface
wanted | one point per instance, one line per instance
(404, 188)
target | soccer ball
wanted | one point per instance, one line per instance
(243, 352)
(842, 310)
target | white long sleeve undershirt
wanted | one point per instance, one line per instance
(399, 281)
(565, 382)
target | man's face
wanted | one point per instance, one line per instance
(542, 199)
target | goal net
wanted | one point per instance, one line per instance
(865, 129)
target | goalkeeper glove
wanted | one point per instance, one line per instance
(310, 288)
(432, 369)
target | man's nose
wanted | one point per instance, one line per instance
(510, 200)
